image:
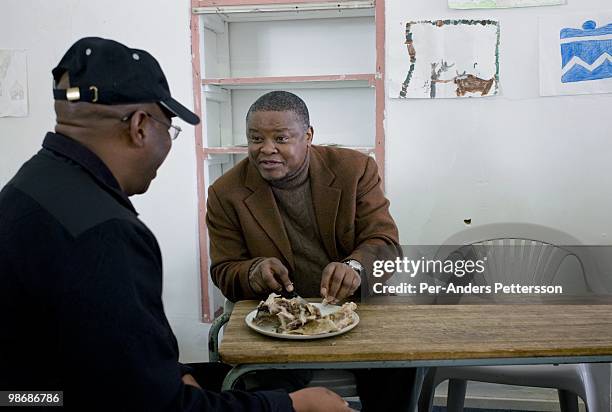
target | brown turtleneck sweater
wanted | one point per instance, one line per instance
(294, 200)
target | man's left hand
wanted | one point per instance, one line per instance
(338, 282)
(188, 379)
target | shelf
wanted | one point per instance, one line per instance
(289, 11)
(243, 149)
(294, 82)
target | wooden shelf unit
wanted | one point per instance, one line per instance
(243, 149)
(320, 81)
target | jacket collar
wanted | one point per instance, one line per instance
(325, 199)
(74, 151)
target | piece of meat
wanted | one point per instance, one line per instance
(292, 316)
(316, 327)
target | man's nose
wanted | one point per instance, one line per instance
(268, 146)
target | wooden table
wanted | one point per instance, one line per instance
(431, 335)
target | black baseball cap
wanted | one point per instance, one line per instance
(104, 71)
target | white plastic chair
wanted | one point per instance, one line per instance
(528, 252)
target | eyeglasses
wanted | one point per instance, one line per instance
(172, 129)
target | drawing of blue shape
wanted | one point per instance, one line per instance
(588, 51)
(580, 74)
(589, 28)
(584, 59)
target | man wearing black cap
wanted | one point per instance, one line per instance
(80, 274)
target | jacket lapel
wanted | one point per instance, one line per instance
(326, 200)
(263, 207)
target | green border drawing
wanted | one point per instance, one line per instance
(439, 23)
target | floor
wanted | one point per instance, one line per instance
(488, 396)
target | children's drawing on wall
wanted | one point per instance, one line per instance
(501, 4)
(586, 54)
(13, 83)
(445, 59)
(576, 54)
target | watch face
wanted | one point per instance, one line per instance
(356, 266)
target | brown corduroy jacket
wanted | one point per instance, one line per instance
(244, 223)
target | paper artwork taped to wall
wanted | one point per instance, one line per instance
(576, 54)
(13, 83)
(501, 4)
(445, 59)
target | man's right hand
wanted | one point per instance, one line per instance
(318, 400)
(269, 275)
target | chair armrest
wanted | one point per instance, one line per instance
(213, 336)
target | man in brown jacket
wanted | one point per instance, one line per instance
(299, 216)
(294, 214)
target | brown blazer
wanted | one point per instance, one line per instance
(244, 223)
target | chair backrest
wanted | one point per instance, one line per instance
(526, 254)
(511, 230)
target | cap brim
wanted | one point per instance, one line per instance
(181, 111)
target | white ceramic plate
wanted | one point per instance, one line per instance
(325, 310)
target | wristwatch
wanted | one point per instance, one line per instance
(355, 265)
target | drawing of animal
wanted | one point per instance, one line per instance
(468, 83)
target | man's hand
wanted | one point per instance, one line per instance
(269, 275)
(318, 400)
(338, 282)
(189, 380)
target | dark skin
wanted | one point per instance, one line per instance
(278, 145)
(133, 150)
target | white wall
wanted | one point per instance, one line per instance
(46, 29)
(515, 157)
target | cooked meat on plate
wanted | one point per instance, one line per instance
(293, 316)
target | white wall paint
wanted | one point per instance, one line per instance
(515, 157)
(46, 29)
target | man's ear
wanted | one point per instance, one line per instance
(137, 130)
(309, 135)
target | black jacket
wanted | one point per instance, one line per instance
(80, 294)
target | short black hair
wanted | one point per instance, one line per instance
(281, 101)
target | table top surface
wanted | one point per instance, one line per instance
(402, 332)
